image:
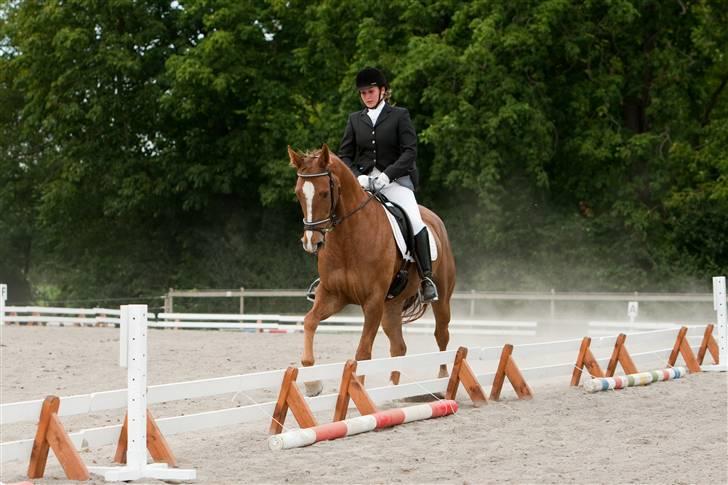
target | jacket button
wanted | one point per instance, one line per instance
(372, 132)
(374, 141)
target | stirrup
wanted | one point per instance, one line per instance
(311, 292)
(431, 295)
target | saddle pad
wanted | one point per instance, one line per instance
(402, 246)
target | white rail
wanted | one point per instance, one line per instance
(276, 323)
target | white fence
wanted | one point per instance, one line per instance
(278, 323)
(473, 296)
(28, 411)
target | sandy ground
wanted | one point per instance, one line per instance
(673, 432)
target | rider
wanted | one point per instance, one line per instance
(380, 147)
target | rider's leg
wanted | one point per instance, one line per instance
(311, 292)
(406, 199)
(424, 261)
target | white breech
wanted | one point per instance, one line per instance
(405, 198)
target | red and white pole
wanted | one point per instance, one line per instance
(361, 424)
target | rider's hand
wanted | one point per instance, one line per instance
(380, 182)
(363, 181)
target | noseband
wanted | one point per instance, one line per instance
(333, 220)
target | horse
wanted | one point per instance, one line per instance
(358, 259)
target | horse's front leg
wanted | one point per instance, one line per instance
(373, 311)
(324, 306)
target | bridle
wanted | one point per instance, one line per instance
(332, 220)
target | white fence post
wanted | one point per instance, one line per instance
(3, 298)
(719, 305)
(134, 354)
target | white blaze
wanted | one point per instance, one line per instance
(308, 191)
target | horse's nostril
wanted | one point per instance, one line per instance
(319, 245)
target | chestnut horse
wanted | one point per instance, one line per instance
(358, 258)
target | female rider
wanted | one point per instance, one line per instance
(380, 147)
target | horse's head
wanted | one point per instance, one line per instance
(317, 189)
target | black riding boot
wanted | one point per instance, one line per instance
(424, 264)
(311, 292)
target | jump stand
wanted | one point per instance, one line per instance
(291, 397)
(682, 347)
(352, 388)
(621, 356)
(507, 368)
(708, 345)
(585, 359)
(461, 372)
(52, 435)
(719, 305)
(156, 443)
(134, 355)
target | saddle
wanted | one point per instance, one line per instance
(403, 223)
(405, 228)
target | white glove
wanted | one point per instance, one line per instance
(363, 181)
(380, 182)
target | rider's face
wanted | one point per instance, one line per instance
(370, 96)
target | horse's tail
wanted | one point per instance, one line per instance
(413, 308)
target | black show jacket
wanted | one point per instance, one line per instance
(390, 145)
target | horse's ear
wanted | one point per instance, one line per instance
(324, 158)
(296, 158)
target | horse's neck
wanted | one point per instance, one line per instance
(353, 202)
(351, 195)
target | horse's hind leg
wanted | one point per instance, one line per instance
(392, 326)
(441, 309)
(324, 306)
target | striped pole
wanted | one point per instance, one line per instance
(630, 380)
(361, 424)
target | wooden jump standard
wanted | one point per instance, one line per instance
(351, 388)
(52, 435)
(621, 355)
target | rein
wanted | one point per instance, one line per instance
(332, 219)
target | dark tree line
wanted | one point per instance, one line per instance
(574, 145)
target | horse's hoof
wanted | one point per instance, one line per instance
(314, 388)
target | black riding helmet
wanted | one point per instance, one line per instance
(371, 76)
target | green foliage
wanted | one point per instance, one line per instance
(568, 145)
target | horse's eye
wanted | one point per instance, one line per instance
(324, 194)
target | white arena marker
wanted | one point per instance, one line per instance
(3, 298)
(719, 305)
(134, 319)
